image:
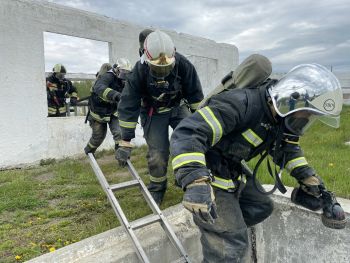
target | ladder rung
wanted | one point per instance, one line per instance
(123, 185)
(144, 221)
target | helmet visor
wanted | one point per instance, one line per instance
(299, 121)
(60, 76)
(162, 66)
(311, 88)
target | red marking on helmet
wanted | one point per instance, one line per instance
(149, 56)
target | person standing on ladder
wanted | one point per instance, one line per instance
(162, 88)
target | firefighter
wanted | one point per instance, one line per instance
(162, 87)
(238, 124)
(142, 36)
(103, 103)
(58, 89)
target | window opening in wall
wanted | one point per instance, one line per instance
(71, 64)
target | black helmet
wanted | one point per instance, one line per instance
(142, 36)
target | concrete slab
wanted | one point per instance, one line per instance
(291, 234)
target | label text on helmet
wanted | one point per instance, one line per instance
(329, 105)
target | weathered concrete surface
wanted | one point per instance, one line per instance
(25, 130)
(292, 234)
(114, 245)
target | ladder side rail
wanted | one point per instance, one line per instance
(164, 223)
(117, 209)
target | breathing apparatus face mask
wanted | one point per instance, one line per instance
(161, 70)
(60, 76)
(298, 122)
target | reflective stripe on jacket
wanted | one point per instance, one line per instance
(232, 127)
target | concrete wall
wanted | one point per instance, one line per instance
(291, 234)
(26, 134)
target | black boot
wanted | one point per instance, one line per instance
(89, 149)
(158, 197)
(157, 191)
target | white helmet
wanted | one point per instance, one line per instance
(104, 68)
(123, 67)
(306, 93)
(159, 53)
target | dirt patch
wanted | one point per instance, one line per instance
(106, 159)
(44, 177)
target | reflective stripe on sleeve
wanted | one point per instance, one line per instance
(194, 106)
(227, 184)
(213, 122)
(186, 158)
(223, 183)
(127, 124)
(252, 137)
(105, 93)
(294, 163)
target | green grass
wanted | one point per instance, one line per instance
(83, 87)
(61, 202)
(326, 152)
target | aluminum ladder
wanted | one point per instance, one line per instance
(130, 227)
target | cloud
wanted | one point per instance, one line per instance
(78, 55)
(288, 32)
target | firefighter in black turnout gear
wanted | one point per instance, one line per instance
(103, 103)
(162, 87)
(238, 124)
(59, 88)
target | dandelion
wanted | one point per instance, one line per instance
(52, 249)
(18, 257)
(331, 164)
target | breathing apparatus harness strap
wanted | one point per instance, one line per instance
(278, 138)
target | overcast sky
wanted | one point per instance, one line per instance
(288, 32)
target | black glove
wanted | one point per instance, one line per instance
(123, 152)
(73, 101)
(116, 97)
(312, 185)
(199, 199)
